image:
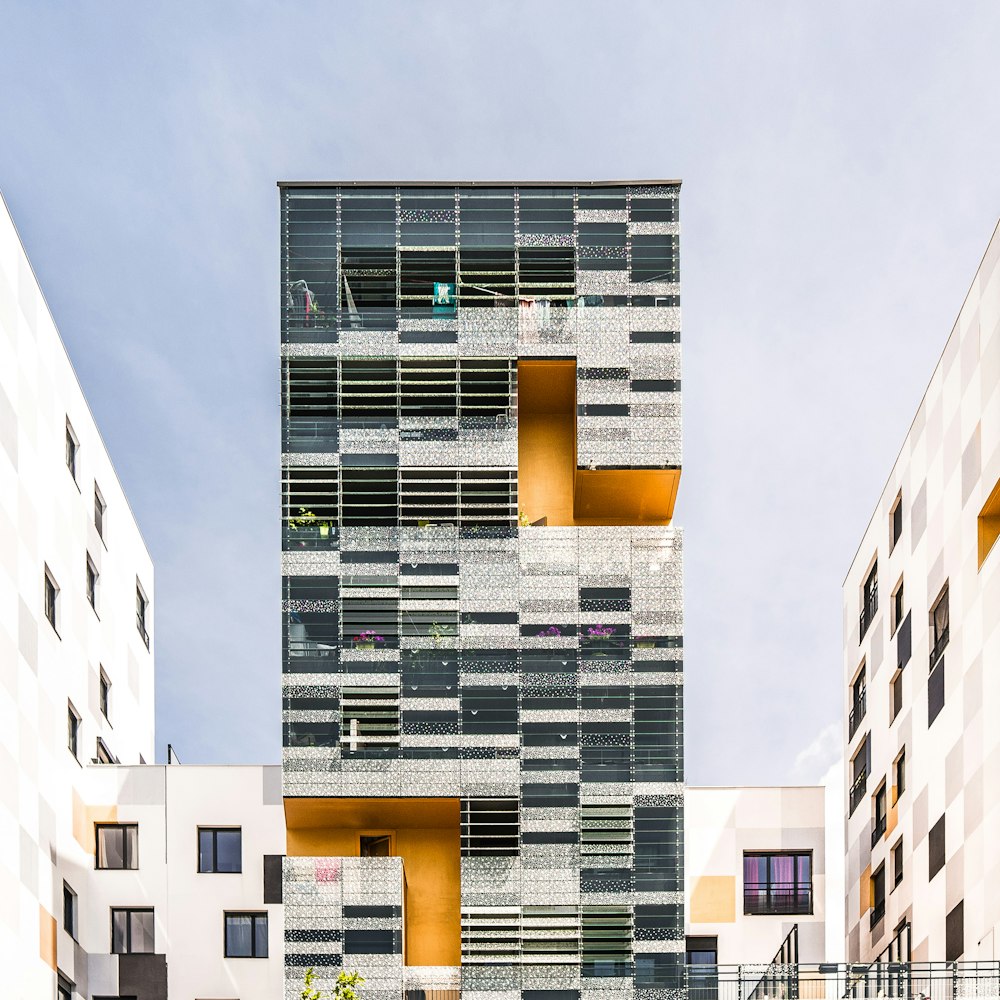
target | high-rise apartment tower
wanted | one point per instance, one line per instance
(482, 614)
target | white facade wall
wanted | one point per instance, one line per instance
(169, 804)
(47, 520)
(946, 470)
(723, 823)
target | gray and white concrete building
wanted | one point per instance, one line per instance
(483, 747)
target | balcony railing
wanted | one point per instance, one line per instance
(761, 898)
(857, 713)
(938, 649)
(868, 608)
(858, 789)
(878, 829)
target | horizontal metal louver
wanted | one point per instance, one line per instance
(490, 827)
(369, 717)
(605, 831)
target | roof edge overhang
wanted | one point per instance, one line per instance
(507, 183)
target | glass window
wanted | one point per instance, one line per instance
(939, 626)
(220, 850)
(105, 695)
(246, 935)
(377, 846)
(92, 577)
(51, 597)
(777, 883)
(897, 863)
(118, 845)
(72, 450)
(878, 895)
(69, 910)
(900, 773)
(141, 607)
(897, 607)
(131, 931)
(73, 723)
(896, 522)
(99, 508)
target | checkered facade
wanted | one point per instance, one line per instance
(435, 647)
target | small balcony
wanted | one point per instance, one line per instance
(878, 913)
(857, 714)
(878, 830)
(937, 650)
(858, 790)
(776, 898)
(868, 609)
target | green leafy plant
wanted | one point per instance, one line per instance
(438, 632)
(522, 520)
(343, 989)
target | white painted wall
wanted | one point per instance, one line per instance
(722, 823)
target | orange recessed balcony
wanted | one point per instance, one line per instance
(551, 489)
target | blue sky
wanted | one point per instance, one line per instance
(841, 168)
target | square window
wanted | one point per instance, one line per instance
(99, 509)
(117, 846)
(220, 849)
(69, 910)
(141, 611)
(92, 578)
(132, 931)
(896, 521)
(72, 449)
(378, 845)
(73, 725)
(246, 935)
(778, 882)
(51, 600)
(104, 695)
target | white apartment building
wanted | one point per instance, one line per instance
(116, 879)
(755, 861)
(922, 669)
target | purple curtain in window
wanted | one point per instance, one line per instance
(754, 881)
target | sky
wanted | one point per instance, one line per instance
(841, 169)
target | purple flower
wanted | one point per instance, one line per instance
(550, 632)
(368, 635)
(600, 631)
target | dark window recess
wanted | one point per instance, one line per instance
(549, 734)
(655, 337)
(606, 946)
(428, 387)
(606, 198)
(486, 276)
(117, 845)
(422, 273)
(369, 717)
(375, 846)
(272, 878)
(897, 863)
(935, 691)
(655, 385)
(606, 697)
(368, 393)
(605, 763)
(310, 619)
(550, 796)
(220, 850)
(777, 883)
(603, 409)
(546, 272)
(370, 497)
(896, 695)
(602, 246)
(939, 626)
(310, 507)
(896, 523)
(72, 449)
(860, 769)
(605, 830)
(654, 210)
(655, 258)
(955, 933)
(485, 391)
(859, 702)
(73, 734)
(904, 643)
(246, 935)
(701, 955)
(141, 614)
(69, 910)
(370, 622)
(878, 896)
(382, 942)
(309, 401)
(369, 275)
(489, 617)
(597, 599)
(490, 827)
(51, 596)
(869, 602)
(422, 569)
(880, 815)
(935, 849)
(489, 710)
(132, 931)
(899, 773)
(897, 606)
(545, 211)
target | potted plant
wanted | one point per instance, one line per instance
(598, 636)
(552, 632)
(438, 632)
(343, 989)
(307, 519)
(368, 640)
